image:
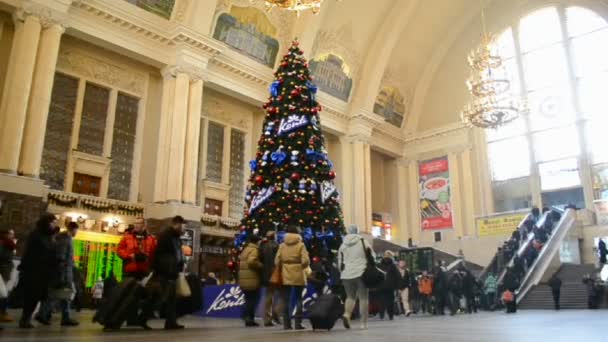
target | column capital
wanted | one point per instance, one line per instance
(47, 16)
(194, 73)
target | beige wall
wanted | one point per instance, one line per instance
(588, 255)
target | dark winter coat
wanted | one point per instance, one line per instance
(555, 283)
(391, 279)
(455, 284)
(38, 262)
(510, 281)
(7, 252)
(440, 285)
(468, 284)
(603, 251)
(168, 259)
(64, 275)
(404, 280)
(268, 251)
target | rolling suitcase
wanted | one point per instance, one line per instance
(325, 311)
(114, 311)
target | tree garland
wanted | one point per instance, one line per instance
(58, 200)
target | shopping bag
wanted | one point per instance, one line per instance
(181, 286)
(3, 289)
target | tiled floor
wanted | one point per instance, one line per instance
(533, 326)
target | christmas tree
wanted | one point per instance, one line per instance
(291, 180)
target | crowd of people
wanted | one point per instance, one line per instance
(47, 278)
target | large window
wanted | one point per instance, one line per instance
(557, 60)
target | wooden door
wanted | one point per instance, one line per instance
(86, 184)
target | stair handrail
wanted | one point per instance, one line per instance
(547, 253)
(484, 273)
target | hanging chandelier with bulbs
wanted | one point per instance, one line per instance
(492, 104)
(293, 5)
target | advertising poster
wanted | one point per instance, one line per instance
(435, 200)
(95, 256)
(499, 225)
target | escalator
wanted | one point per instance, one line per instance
(547, 261)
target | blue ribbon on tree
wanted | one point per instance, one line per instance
(253, 164)
(274, 88)
(240, 239)
(314, 155)
(307, 234)
(313, 90)
(278, 157)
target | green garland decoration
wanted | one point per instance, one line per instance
(57, 200)
(208, 223)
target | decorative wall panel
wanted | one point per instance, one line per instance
(93, 122)
(391, 105)
(332, 75)
(59, 131)
(215, 152)
(237, 178)
(249, 31)
(123, 144)
(158, 7)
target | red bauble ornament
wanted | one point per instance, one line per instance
(316, 259)
(295, 92)
(284, 64)
(259, 180)
(332, 174)
(295, 176)
(231, 265)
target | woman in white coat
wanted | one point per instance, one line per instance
(353, 261)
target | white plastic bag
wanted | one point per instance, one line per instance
(3, 289)
(182, 288)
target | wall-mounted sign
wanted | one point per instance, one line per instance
(435, 199)
(188, 242)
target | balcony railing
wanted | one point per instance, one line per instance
(102, 205)
(219, 226)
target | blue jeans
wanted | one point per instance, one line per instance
(46, 309)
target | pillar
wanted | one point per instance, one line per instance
(164, 137)
(192, 141)
(456, 193)
(467, 192)
(401, 220)
(17, 86)
(40, 100)
(175, 173)
(414, 201)
(348, 168)
(362, 211)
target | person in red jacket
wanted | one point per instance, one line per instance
(136, 249)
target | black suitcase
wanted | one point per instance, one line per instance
(325, 311)
(114, 311)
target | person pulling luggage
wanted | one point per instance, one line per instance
(136, 249)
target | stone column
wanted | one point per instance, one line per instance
(192, 141)
(164, 137)
(401, 220)
(175, 173)
(361, 185)
(468, 197)
(456, 193)
(414, 201)
(39, 102)
(17, 86)
(348, 168)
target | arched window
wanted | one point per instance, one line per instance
(557, 59)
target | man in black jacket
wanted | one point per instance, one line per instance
(168, 262)
(386, 292)
(268, 251)
(555, 284)
(37, 266)
(440, 288)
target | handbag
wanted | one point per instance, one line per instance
(507, 296)
(3, 289)
(182, 288)
(276, 277)
(372, 277)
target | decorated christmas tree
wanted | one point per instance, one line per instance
(291, 180)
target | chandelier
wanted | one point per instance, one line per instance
(294, 5)
(491, 104)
